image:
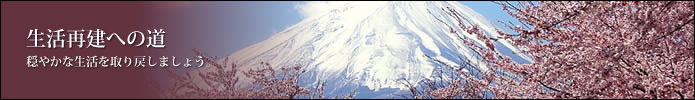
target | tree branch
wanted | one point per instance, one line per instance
(576, 12)
(639, 72)
(639, 88)
(551, 88)
(677, 28)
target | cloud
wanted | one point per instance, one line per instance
(314, 8)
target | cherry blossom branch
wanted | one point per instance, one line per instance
(551, 88)
(221, 82)
(679, 27)
(580, 55)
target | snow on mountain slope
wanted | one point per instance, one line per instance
(372, 44)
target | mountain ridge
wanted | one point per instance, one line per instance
(372, 44)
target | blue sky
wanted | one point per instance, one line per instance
(262, 19)
(245, 23)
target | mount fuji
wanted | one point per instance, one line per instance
(371, 45)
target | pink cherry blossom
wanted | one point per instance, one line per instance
(585, 49)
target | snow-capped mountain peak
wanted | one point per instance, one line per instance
(372, 44)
